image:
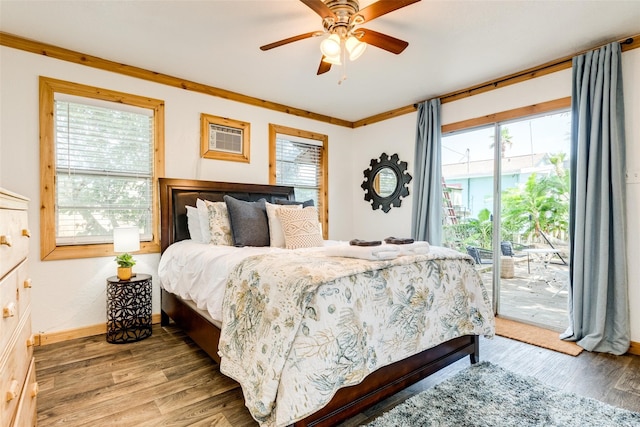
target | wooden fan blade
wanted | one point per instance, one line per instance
(289, 40)
(383, 41)
(324, 66)
(320, 8)
(383, 7)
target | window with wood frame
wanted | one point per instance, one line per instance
(299, 159)
(101, 153)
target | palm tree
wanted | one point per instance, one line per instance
(542, 204)
(505, 140)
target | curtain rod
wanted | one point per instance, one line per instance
(495, 83)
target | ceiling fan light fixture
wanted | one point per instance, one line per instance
(345, 39)
(330, 47)
(335, 60)
(355, 47)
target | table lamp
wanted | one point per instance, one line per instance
(125, 240)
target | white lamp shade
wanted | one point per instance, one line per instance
(126, 239)
(330, 47)
(355, 48)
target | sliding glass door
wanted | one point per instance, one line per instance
(513, 173)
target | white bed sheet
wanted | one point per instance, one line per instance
(199, 271)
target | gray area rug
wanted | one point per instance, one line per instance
(487, 395)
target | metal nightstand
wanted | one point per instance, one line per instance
(128, 309)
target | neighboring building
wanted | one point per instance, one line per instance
(470, 184)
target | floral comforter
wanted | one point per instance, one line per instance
(297, 328)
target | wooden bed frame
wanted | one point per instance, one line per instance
(175, 194)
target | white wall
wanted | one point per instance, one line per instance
(631, 82)
(70, 294)
(397, 135)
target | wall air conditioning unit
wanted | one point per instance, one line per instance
(224, 138)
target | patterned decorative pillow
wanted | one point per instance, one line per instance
(276, 235)
(300, 227)
(219, 224)
(249, 224)
(287, 202)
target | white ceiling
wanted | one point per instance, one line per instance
(452, 44)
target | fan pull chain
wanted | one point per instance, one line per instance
(344, 66)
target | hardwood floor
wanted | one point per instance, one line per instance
(166, 380)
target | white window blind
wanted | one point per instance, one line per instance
(104, 171)
(299, 165)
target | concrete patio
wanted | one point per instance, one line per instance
(538, 296)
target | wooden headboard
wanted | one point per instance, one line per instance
(177, 194)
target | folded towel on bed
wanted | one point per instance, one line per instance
(415, 248)
(398, 241)
(377, 253)
(372, 253)
(358, 242)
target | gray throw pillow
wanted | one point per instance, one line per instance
(249, 224)
(304, 204)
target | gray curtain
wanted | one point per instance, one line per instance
(599, 303)
(426, 219)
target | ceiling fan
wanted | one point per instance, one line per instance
(341, 19)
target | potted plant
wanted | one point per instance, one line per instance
(125, 262)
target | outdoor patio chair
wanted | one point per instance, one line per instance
(507, 249)
(480, 255)
(561, 277)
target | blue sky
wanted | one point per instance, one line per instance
(542, 134)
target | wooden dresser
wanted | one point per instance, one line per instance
(18, 386)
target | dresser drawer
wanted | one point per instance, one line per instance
(13, 370)
(14, 238)
(9, 307)
(26, 414)
(23, 288)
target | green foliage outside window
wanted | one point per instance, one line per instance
(540, 205)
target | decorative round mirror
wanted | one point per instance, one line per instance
(385, 182)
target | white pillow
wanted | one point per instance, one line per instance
(219, 224)
(300, 227)
(203, 213)
(193, 224)
(276, 235)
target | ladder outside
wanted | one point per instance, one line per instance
(449, 212)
